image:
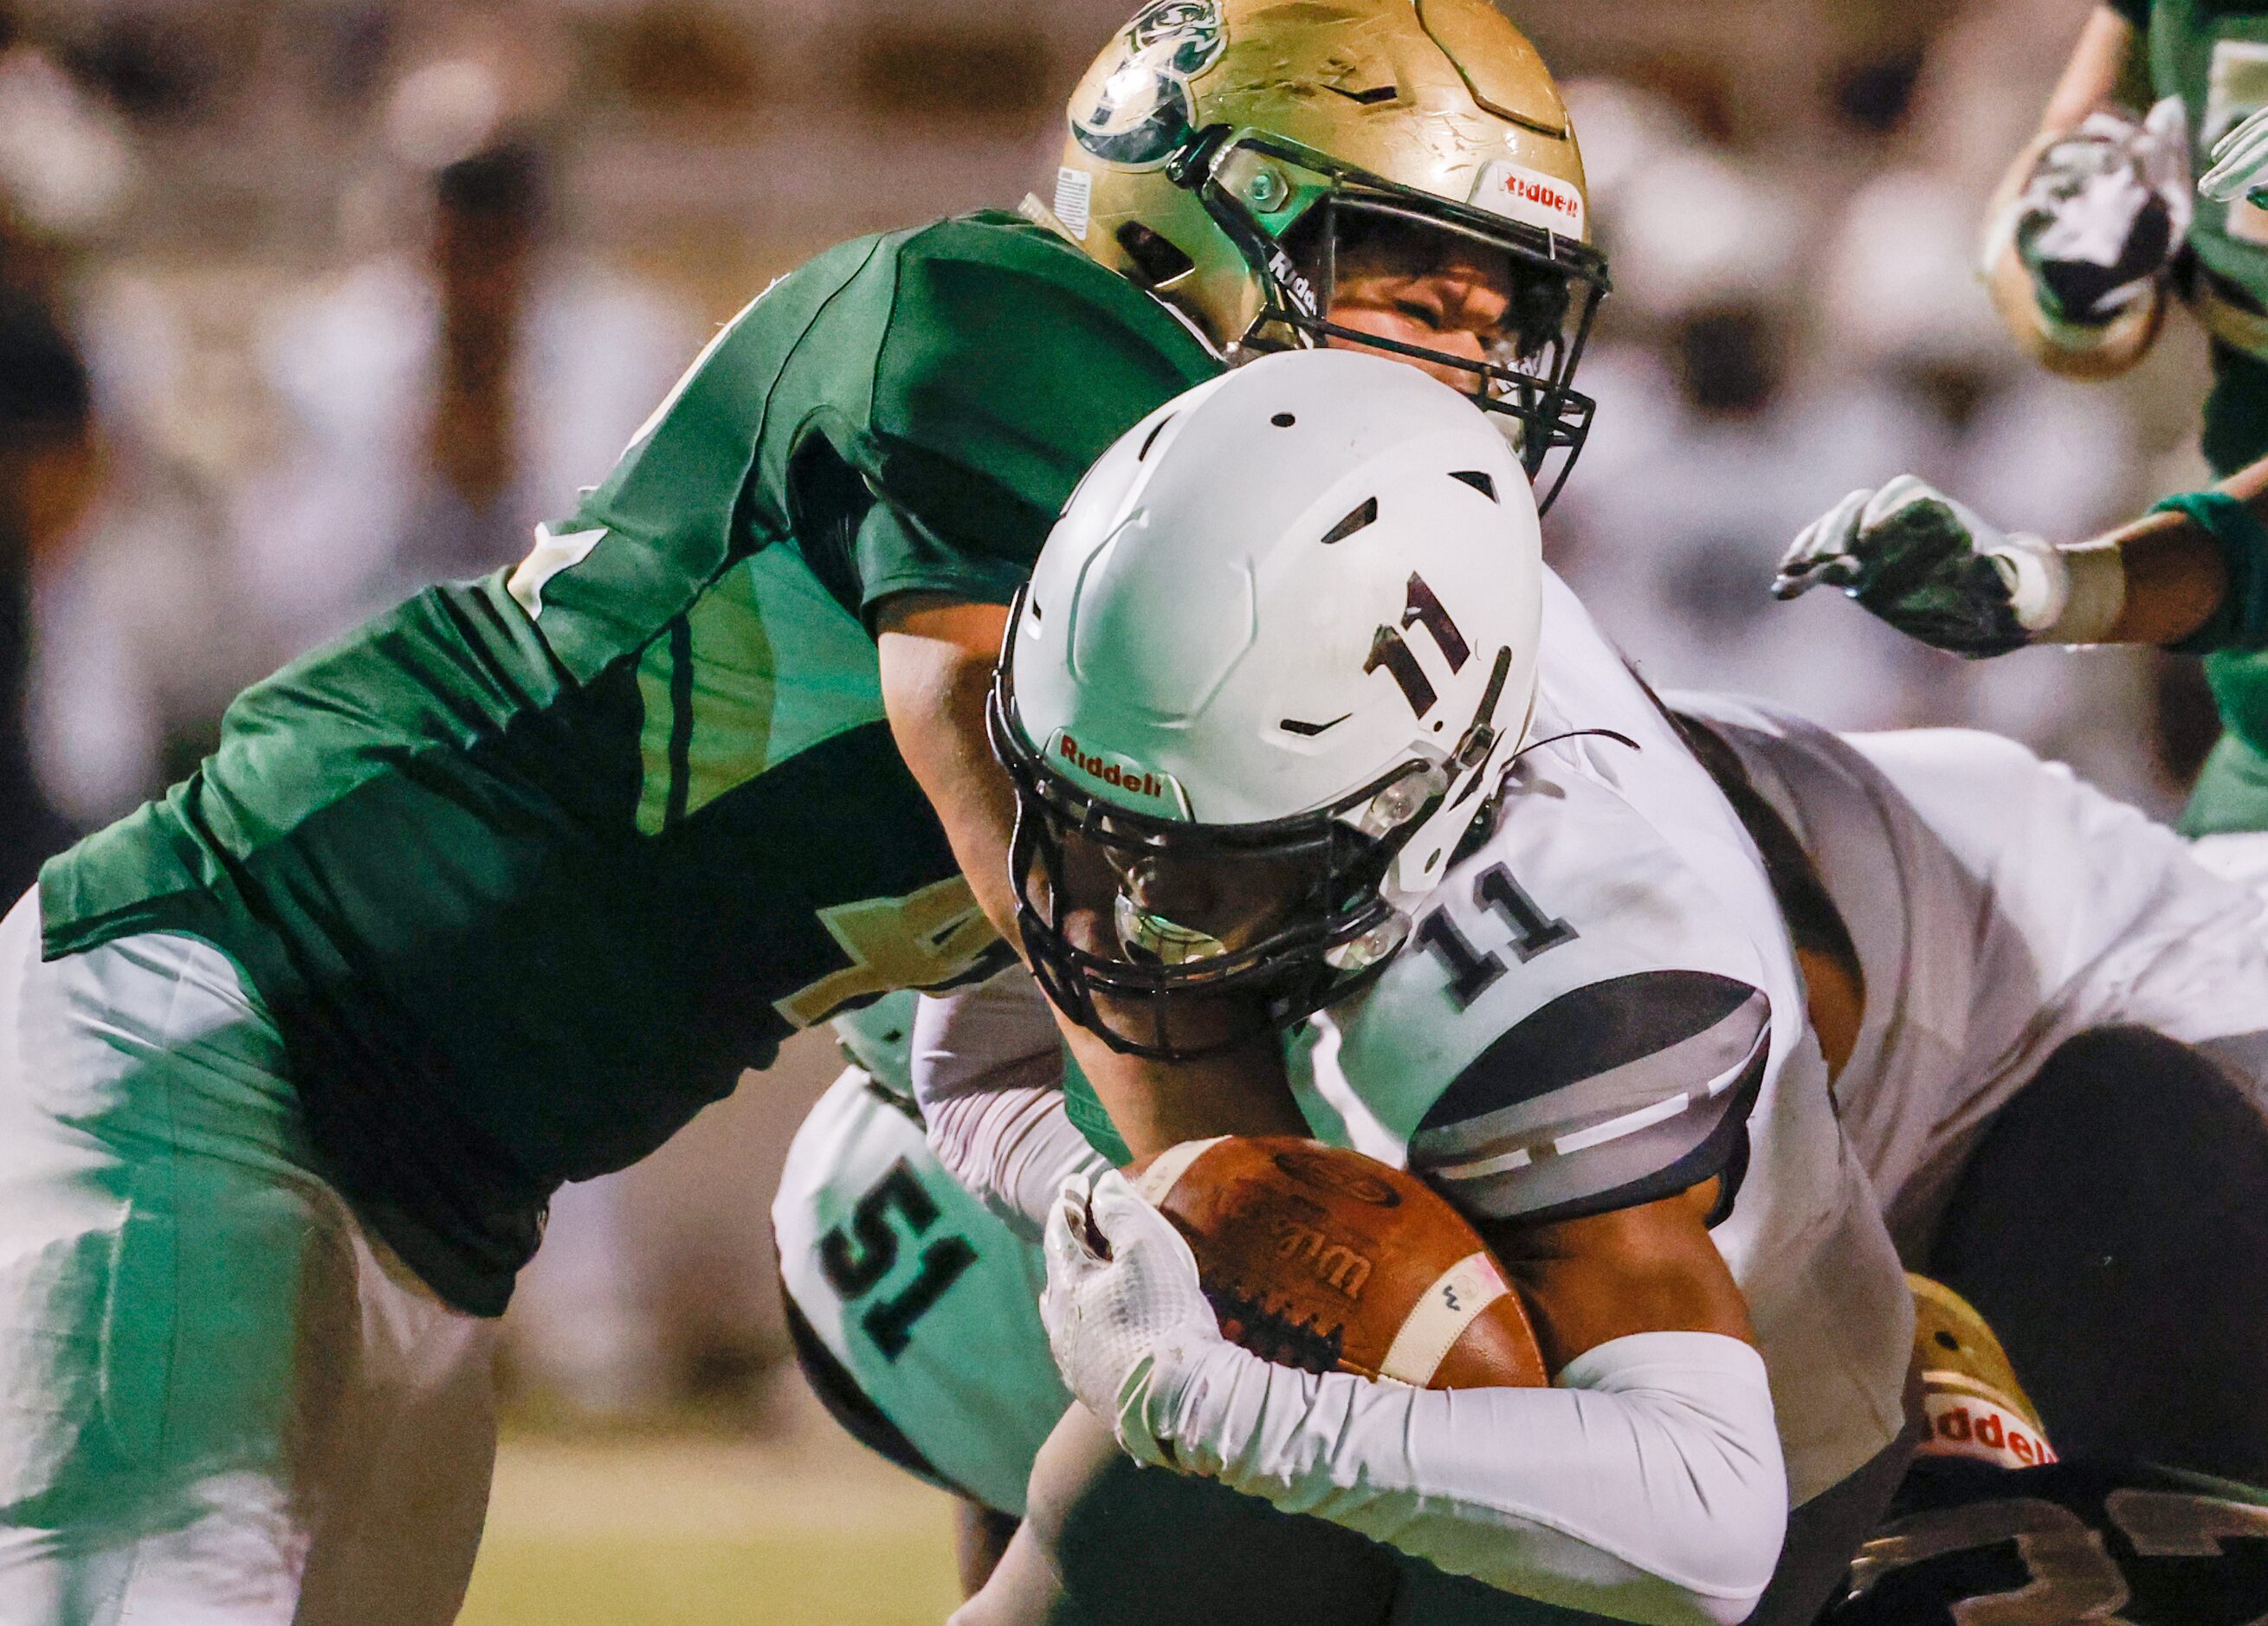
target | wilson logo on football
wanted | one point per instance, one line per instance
(1335, 1264)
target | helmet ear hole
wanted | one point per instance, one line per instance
(1157, 259)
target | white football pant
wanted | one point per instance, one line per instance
(221, 1401)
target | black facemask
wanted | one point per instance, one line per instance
(1555, 284)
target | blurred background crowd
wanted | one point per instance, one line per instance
(305, 303)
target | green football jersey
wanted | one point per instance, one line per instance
(528, 869)
(2232, 793)
(2215, 55)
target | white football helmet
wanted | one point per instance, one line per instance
(1287, 624)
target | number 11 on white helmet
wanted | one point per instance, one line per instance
(1245, 747)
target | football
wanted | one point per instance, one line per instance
(1322, 1258)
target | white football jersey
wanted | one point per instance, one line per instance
(1602, 997)
(920, 1294)
(2000, 907)
(1600, 1006)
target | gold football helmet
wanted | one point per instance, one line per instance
(1958, 1354)
(1220, 151)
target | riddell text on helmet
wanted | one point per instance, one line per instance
(1141, 782)
(1520, 193)
(1966, 1426)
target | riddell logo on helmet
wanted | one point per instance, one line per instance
(1138, 781)
(1968, 1425)
(1532, 197)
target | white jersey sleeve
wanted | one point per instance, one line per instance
(1568, 1032)
(1585, 1012)
(1600, 1007)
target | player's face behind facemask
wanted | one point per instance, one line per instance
(1228, 154)
(1460, 309)
(1175, 941)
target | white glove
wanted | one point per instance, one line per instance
(2240, 162)
(1937, 572)
(1128, 1321)
(1648, 1486)
(2105, 210)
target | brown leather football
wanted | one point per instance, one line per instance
(1318, 1257)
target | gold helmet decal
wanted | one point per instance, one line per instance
(1975, 1404)
(1143, 109)
(1222, 153)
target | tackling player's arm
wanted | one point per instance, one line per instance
(2190, 574)
(2073, 308)
(937, 660)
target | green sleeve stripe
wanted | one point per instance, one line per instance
(680, 720)
(2241, 621)
(1090, 1117)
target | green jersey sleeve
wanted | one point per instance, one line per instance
(1010, 361)
(908, 411)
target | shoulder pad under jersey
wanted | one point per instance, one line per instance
(1576, 1024)
(1011, 361)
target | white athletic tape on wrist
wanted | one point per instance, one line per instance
(2038, 580)
(1453, 1303)
(1166, 1172)
(2095, 599)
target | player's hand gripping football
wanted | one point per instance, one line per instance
(1126, 1318)
(2106, 208)
(2240, 163)
(1932, 568)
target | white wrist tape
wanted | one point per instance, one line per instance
(1647, 1484)
(2062, 595)
(2095, 596)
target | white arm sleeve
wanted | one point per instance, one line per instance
(988, 1076)
(1648, 1485)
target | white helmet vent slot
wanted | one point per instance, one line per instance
(1364, 515)
(1478, 479)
